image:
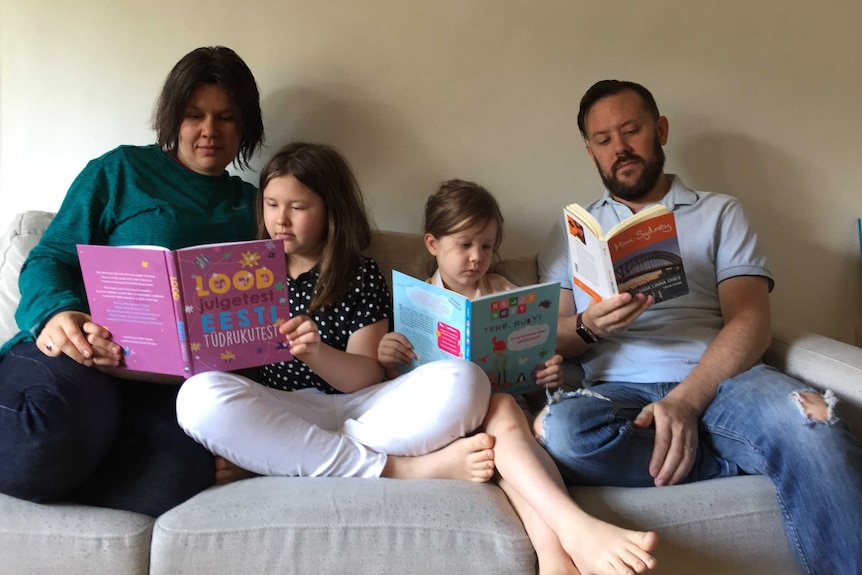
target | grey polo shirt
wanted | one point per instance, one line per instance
(667, 341)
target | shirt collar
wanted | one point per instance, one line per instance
(311, 276)
(482, 288)
(677, 195)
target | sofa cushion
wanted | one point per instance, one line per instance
(714, 527)
(336, 526)
(24, 232)
(71, 539)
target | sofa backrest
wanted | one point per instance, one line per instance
(392, 250)
(24, 232)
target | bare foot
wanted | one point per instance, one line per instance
(468, 459)
(558, 566)
(553, 559)
(599, 548)
(228, 472)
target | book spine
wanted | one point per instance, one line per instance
(859, 229)
(468, 332)
(179, 312)
(608, 266)
(586, 288)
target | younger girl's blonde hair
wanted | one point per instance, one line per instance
(460, 205)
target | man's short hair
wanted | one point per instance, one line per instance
(605, 88)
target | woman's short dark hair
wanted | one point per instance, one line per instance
(603, 89)
(211, 65)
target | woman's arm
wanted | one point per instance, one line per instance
(53, 305)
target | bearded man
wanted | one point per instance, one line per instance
(676, 391)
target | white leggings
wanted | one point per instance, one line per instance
(308, 433)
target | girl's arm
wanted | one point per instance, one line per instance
(394, 350)
(346, 371)
(551, 376)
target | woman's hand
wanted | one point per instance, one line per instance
(551, 376)
(106, 353)
(302, 335)
(67, 332)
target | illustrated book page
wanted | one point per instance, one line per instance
(510, 334)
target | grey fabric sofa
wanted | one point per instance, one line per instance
(346, 526)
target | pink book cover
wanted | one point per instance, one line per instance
(212, 307)
(130, 293)
(235, 298)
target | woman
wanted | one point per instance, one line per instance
(69, 429)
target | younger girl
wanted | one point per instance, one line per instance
(463, 230)
(324, 413)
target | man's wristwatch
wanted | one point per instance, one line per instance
(586, 333)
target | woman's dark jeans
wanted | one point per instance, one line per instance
(72, 433)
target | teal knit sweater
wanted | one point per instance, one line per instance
(133, 195)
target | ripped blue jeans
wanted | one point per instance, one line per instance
(755, 425)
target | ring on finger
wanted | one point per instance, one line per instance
(50, 346)
(689, 448)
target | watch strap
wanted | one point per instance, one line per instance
(586, 333)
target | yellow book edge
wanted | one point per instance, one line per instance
(593, 224)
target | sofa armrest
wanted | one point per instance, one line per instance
(24, 232)
(822, 363)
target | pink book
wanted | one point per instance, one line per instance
(202, 308)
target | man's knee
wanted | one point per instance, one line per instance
(570, 414)
(539, 424)
(814, 407)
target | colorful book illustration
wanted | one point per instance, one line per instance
(638, 255)
(202, 308)
(510, 334)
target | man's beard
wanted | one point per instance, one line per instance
(645, 183)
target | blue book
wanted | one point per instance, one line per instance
(510, 334)
(859, 227)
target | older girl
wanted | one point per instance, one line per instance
(326, 412)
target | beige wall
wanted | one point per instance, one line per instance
(763, 99)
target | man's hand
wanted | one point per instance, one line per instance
(615, 314)
(740, 343)
(676, 438)
(609, 316)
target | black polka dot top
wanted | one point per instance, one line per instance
(367, 302)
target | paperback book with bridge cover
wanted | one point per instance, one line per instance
(509, 334)
(638, 255)
(202, 308)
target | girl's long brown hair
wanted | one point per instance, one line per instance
(323, 171)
